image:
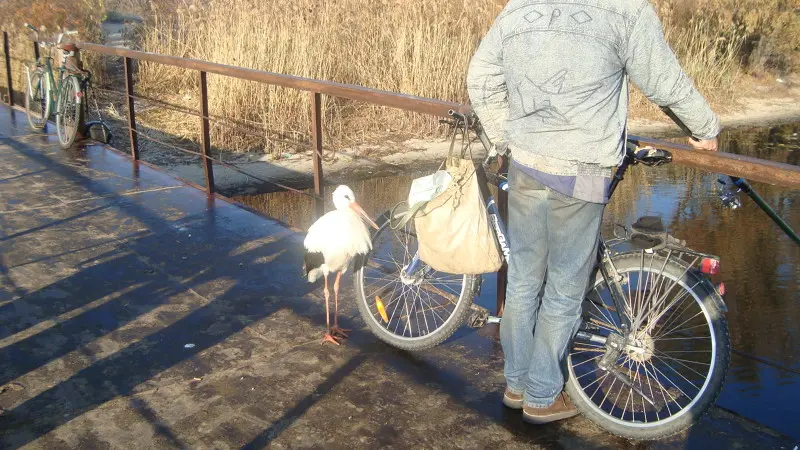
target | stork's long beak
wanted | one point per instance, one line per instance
(358, 209)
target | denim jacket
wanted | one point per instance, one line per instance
(550, 79)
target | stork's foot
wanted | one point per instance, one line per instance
(339, 332)
(329, 338)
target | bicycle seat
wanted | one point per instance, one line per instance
(648, 233)
(649, 225)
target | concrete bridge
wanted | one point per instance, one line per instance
(138, 311)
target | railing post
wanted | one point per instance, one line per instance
(128, 63)
(316, 148)
(208, 166)
(36, 51)
(8, 69)
(502, 274)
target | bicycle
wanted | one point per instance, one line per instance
(652, 351)
(69, 91)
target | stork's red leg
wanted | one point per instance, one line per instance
(328, 336)
(338, 332)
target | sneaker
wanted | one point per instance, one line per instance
(512, 400)
(561, 409)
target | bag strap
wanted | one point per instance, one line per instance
(409, 215)
(452, 147)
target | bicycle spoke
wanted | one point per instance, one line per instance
(679, 361)
(433, 310)
(600, 381)
(672, 383)
(418, 304)
(673, 330)
(672, 341)
(424, 316)
(588, 360)
(607, 318)
(660, 386)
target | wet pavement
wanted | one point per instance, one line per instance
(136, 312)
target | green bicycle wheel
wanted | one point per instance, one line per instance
(37, 99)
(69, 111)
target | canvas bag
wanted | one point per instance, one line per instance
(453, 228)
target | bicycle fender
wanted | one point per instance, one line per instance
(706, 283)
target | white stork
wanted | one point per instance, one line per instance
(333, 241)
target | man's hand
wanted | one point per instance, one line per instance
(711, 145)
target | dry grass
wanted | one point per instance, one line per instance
(717, 40)
(420, 48)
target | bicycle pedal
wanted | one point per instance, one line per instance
(478, 318)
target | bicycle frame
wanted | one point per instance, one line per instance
(53, 85)
(604, 264)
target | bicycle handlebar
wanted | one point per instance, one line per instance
(59, 36)
(32, 28)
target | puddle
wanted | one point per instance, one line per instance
(760, 265)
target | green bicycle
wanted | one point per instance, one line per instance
(68, 90)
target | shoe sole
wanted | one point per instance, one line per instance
(541, 420)
(511, 403)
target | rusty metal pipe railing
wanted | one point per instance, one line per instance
(316, 148)
(9, 81)
(384, 98)
(755, 169)
(730, 164)
(208, 167)
(128, 63)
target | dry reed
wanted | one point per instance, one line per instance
(420, 48)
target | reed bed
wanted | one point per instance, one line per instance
(419, 47)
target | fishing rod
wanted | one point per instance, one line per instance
(740, 183)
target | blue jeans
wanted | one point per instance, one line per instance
(553, 237)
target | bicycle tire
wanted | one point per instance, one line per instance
(707, 300)
(69, 111)
(39, 82)
(371, 316)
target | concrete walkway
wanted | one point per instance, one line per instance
(135, 312)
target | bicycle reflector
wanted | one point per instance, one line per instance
(381, 309)
(720, 289)
(709, 266)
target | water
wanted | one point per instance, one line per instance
(760, 264)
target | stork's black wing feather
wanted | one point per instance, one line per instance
(312, 260)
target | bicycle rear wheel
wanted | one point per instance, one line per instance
(69, 111)
(677, 353)
(37, 99)
(411, 312)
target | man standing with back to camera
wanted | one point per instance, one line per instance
(550, 81)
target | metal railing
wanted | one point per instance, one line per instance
(730, 164)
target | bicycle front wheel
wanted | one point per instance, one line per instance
(675, 357)
(69, 111)
(37, 99)
(410, 311)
